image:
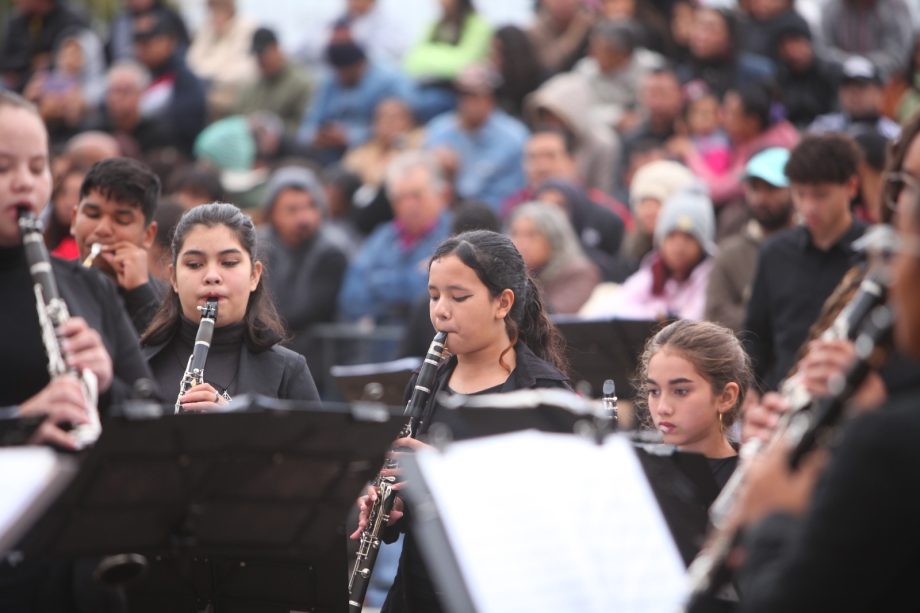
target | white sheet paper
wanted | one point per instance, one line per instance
(25, 475)
(547, 522)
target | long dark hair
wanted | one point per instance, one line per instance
(521, 71)
(499, 266)
(263, 327)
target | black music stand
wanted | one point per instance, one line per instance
(384, 381)
(603, 349)
(246, 510)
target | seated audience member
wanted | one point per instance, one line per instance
(118, 199)
(159, 256)
(614, 69)
(553, 255)
(342, 110)
(515, 60)
(280, 87)
(767, 197)
(860, 99)
(388, 274)
(479, 143)
(880, 31)
(394, 131)
(651, 186)
(175, 98)
(560, 33)
(120, 45)
(32, 33)
(230, 147)
(195, 184)
(67, 92)
(599, 230)
(564, 103)
(58, 216)
(220, 55)
(458, 39)
(808, 81)
(549, 154)
(121, 114)
(671, 281)
(305, 260)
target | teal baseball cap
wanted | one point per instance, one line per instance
(769, 165)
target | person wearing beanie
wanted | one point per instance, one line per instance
(671, 281)
(342, 111)
(651, 186)
(305, 261)
(769, 202)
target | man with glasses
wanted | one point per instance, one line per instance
(798, 268)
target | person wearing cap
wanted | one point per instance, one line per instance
(480, 143)
(671, 281)
(808, 81)
(798, 268)
(120, 44)
(220, 55)
(766, 194)
(280, 87)
(175, 99)
(860, 98)
(342, 111)
(305, 261)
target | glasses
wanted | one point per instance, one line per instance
(895, 184)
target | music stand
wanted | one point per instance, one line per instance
(603, 349)
(384, 382)
(266, 487)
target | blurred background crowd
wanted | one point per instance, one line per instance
(634, 150)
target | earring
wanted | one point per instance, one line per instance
(721, 424)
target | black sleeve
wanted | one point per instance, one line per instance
(142, 303)
(856, 547)
(297, 382)
(324, 290)
(758, 333)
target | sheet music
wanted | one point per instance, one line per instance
(26, 475)
(549, 522)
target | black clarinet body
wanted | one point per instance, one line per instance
(379, 515)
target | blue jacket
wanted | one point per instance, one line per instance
(491, 159)
(385, 280)
(353, 107)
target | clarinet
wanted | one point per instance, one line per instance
(379, 514)
(802, 430)
(52, 313)
(194, 370)
(610, 402)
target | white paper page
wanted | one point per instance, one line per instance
(547, 522)
(25, 473)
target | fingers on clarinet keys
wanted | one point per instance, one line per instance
(64, 405)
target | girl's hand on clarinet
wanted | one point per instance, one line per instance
(365, 503)
(401, 447)
(202, 397)
(62, 402)
(84, 350)
(759, 419)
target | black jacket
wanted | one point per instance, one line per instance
(412, 591)
(277, 373)
(856, 547)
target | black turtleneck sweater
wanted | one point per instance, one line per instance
(23, 361)
(221, 367)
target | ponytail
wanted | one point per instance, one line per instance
(536, 330)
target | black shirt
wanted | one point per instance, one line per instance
(793, 279)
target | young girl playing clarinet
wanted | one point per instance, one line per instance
(500, 340)
(214, 257)
(693, 377)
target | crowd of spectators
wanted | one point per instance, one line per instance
(635, 151)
